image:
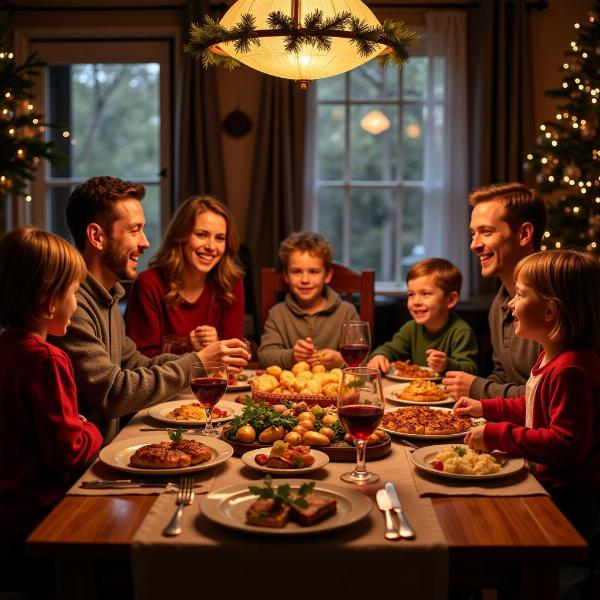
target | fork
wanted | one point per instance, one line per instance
(185, 496)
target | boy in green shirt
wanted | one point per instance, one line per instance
(436, 337)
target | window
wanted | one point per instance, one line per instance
(388, 178)
(113, 100)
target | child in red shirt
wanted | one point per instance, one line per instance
(43, 439)
(556, 424)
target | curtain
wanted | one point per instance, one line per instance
(502, 113)
(278, 171)
(446, 147)
(198, 154)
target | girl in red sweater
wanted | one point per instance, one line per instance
(556, 424)
(43, 439)
(194, 286)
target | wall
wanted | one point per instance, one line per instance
(551, 30)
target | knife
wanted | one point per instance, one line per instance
(383, 501)
(100, 484)
(405, 530)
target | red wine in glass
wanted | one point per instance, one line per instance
(360, 420)
(208, 390)
(354, 354)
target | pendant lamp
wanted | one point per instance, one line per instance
(301, 40)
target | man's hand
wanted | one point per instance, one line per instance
(305, 350)
(379, 362)
(468, 406)
(437, 360)
(474, 439)
(231, 352)
(202, 336)
(329, 358)
(457, 383)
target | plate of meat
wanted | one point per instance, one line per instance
(328, 507)
(155, 454)
(291, 460)
(404, 370)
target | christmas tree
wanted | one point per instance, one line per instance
(22, 141)
(566, 158)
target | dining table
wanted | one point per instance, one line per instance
(467, 538)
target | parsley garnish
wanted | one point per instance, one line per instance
(460, 450)
(175, 435)
(281, 495)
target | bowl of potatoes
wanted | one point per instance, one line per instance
(314, 385)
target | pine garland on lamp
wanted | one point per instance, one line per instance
(22, 141)
(566, 157)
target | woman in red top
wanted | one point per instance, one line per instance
(194, 286)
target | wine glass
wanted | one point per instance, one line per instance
(174, 344)
(360, 410)
(208, 381)
(355, 342)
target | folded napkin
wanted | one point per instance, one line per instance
(522, 483)
(215, 561)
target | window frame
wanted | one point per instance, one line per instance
(66, 46)
(398, 185)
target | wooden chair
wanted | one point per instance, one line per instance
(344, 281)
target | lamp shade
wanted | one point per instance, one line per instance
(310, 62)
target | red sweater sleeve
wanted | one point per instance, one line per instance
(504, 409)
(232, 319)
(566, 435)
(67, 442)
(143, 318)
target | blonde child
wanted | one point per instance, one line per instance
(307, 324)
(556, 424)
(42, 437)
(436, 336)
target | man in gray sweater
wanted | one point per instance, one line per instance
(507, 224)
(106, 218)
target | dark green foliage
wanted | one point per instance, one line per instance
(569, 146)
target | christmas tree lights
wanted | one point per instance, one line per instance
(566, 157)
(22, 137)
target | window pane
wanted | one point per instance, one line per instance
(113, 115)
(414, 77)
(412, 228)
(412, 138)
(331, 119)
(373, 231)
(371, 81)
(373, 156)
(330, 218)
(332, 88)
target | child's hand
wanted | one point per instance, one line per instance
(329, 358)
(379, 362)
(468, 406)
(437, 360)
(305, 350)
(202, 336)
(457, 383)
(474, 439)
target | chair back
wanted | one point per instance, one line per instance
(346, 282)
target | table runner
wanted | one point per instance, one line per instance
(353, 562)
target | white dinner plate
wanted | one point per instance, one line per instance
(423, 457)
(390, 391)
(391, 374)
(242, 385)
(249, 459)
(422, 436)
(227, 506)
(160, 412)
(117, 454)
